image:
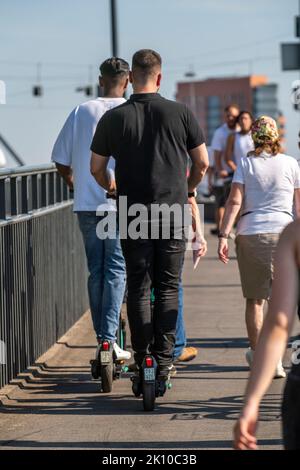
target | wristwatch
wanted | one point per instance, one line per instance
(193, 194)
(223, 235)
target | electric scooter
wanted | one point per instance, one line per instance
(106, 366)
(147, 381)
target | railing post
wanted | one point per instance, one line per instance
(65, 191)
(51, 188)
(2, 199)
(34, 192)
(13, 197)
(24, 194)
(58, 188)
(44, 190)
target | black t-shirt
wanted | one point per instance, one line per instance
(149, 137)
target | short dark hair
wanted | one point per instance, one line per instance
(246, 112)
(145, 63)
(114, 69)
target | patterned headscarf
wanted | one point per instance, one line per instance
(264, 130)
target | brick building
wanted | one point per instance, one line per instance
(208, 98)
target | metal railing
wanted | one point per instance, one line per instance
(28, 188)
(42, 265)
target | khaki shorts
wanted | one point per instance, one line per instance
(255, 255)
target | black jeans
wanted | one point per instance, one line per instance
(291, 410)
(155, 263)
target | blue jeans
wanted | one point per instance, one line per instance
(180, 341)
(107, 276)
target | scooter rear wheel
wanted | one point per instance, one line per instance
(148, 396)
(107, 372)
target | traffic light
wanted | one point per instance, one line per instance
(37, 90)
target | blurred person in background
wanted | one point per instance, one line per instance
(240, 143)
(271, 347)
(265, 186)
(222, 170)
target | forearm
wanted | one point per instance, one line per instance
(297, 203)
(196, 175)
(231, 165)
(231, 212)
(218, 161)
(66, 173)
(104, 179)
(196, 220)
(210, 176)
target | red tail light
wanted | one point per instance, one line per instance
(149, 361)
(105, 346)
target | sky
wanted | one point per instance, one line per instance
(70, 38)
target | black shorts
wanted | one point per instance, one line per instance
(219, 193)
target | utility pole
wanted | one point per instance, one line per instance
(114, 33)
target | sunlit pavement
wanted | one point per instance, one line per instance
(57, 404)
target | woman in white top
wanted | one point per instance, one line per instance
(265, 186)
(240, 143)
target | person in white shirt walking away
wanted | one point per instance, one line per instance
(222, 170)
(265, 186)
(71, 153)
(240, 143)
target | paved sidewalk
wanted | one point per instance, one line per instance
(57, 405)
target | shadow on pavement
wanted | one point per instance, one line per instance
(215, 444)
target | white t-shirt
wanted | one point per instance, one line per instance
(269, 184)
(218, 143)
(72, 148)
(243, 144)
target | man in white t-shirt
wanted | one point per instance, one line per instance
(71, 153)
(218, 145)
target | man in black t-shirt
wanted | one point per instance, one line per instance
(150, 137)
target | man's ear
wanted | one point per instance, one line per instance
(126, 83)
(130, 77)
(158, 80)
(101, 82)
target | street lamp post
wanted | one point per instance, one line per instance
(114, 34)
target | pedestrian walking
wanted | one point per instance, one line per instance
(265, 186)
(150, 138)
(240, 143)
(222, 170)
(71, 153)
(271, 346)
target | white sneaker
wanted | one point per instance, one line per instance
(280, 372)
(249, 356)
(121, 355)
